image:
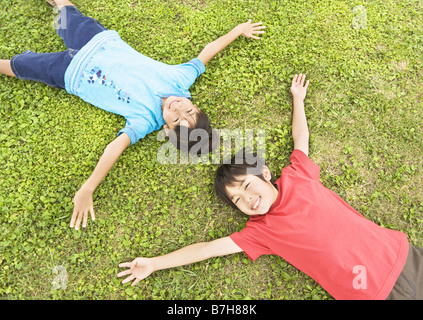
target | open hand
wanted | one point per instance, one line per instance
(139, 269)
(83, 202)
(249, 29)
(298, 89)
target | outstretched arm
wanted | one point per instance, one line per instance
(247, 29)
(83, 200)
(141, 268)
(300, 132)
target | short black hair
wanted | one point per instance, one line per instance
(241, 164)
(202, 136)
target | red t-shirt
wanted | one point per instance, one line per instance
(320, 234)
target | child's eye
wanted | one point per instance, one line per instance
(189, 110)
(236, 201)
(246, 186)
(176, 120)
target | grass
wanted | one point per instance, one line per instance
(364, 109)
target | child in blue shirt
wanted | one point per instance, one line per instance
(99, 67)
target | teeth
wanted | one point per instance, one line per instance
(257, 203)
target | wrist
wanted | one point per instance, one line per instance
(298, 99)
(88, 187)
(237, 30)
(155, 264)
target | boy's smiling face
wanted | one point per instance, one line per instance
(179, 111)
(252, 195)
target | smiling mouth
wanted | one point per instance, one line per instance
(256, 204)
(170, 105)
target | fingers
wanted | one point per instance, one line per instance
(299, 79)
(125, 265)
(74, 215)
(306, 86)
(81, 215)
(124, 273)
(92, 213)
(131, 272)
(76, 218)
(84, 221)
(130, 278)
(135, 282)
(259, 28)
(302, 79)
(256, 28)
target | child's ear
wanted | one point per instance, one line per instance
(166, 129)
(266, 173)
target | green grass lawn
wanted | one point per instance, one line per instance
(364, 110)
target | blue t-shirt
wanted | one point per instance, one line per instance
(111, 75)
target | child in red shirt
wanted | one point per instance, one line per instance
(305, 223)
(317, 232)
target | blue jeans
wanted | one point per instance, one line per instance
(76, 30)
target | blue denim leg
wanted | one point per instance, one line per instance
(75, 29)
(48, 68)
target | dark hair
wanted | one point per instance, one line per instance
(202, 136)
(241, 164)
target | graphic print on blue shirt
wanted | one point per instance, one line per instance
(96, 76)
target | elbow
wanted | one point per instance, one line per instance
(113, 151)
(206, 250)
(302, 136)
(116, 146)
(111, 148)
(301, 142)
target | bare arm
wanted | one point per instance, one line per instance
(195, 253)
(246, 29)
(83, 200)
(140, 268)
(300, 133)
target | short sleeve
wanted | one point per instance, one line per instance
(251, 242)
(188, 72)
(302, 164)
(137, 128)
